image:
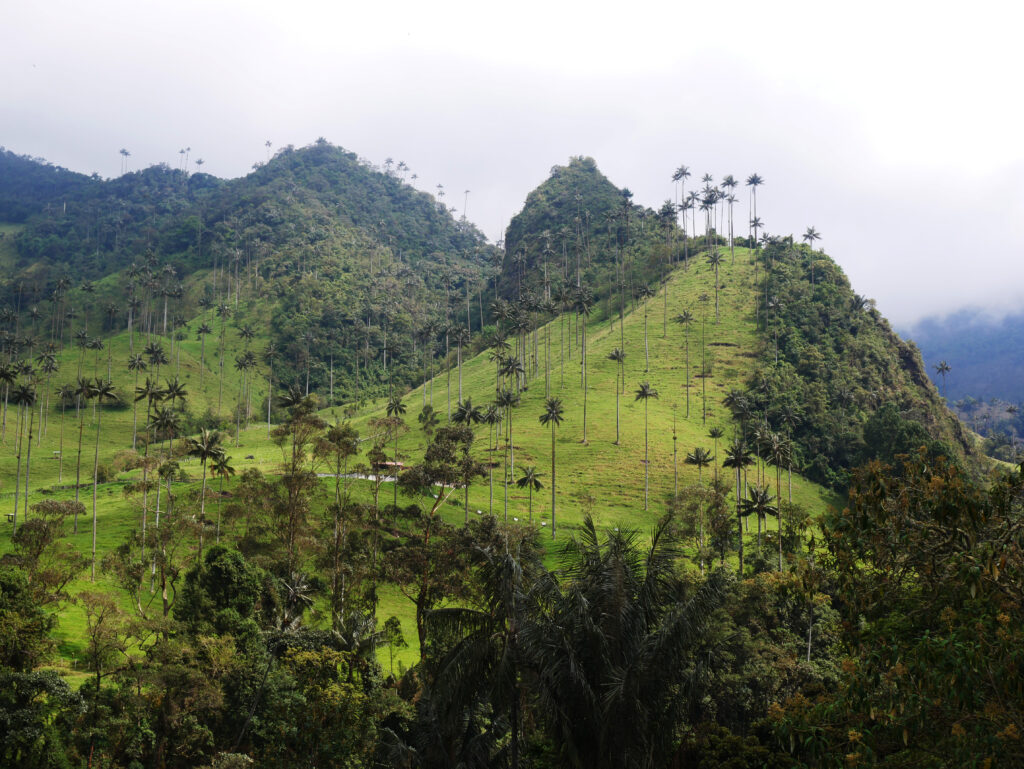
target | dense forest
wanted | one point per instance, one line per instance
(301, 472)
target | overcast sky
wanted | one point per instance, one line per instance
(894, 128)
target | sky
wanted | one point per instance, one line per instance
(893, 128)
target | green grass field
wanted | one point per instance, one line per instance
(599, 477)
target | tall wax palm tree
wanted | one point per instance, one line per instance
(65, 393)
(715, 260)
(24, 397)
(467, 414)
(461, 337)
(8, 375)
(506, 401)
(753, 181)
(778, 454)
(943, 368)
(643, 294)
(619, 357)
(759, 502)
(102, 390)
(206, 447)
(700, 458)
(584, 302)
(737, 457)
(396, 410)
(645, 393)
(714, 434)
(136, 363)
(810, 236)
(684, 319)
(221, 468)
(270, 354)
(201, 334)
(530, 479)
(552, 415)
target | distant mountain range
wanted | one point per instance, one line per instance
(985, 354)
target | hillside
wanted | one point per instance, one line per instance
(352, 260)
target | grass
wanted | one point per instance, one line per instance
(598, 477)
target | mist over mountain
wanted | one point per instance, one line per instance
(985, 353)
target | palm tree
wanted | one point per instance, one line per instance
(701, 458)
(396, 410)
(584, 302)
(506, 401)
(102, 390)
(714, 434)
(684, 319)
(467, 414)
(737, 456)
(24, 397)
(221, 468)
(462, 337)
(810, 236)
(201, 333)
(759, 502)
(619, 357)
(943, 368)
(754, 181)
(643, 294)
(530, 479)
(552, 415)
(64, 394)
(8, 375)
(205, 447)
(613, 647)
(715, 260)
(645, 393)
(136, 363)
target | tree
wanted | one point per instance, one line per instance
(943, 368)
(24, 397)
(645, 393)
(810, 236)
(738, 457)
(396, 410)
(506, 401)
(102, 390)
(221, 468)
(715, 260)
(619, 357)
(530, 479)
(136, 363)
(613, 651)
(206, 448)
(552, 415)
(759, 502)
(583, 303)
(65, 393)
(684, 319)
(700, 458)
(201, 334)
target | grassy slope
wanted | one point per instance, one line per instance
(612, 476)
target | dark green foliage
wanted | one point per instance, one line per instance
(24, 624)
(226, 594)
(838, 363)
(577, 228)
(30, 737)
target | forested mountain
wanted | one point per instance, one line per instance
(350, 259)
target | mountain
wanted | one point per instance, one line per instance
(348, 260)
(984, 353)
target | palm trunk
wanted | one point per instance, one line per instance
(552, 480)
(17, 475)
(95, 480)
